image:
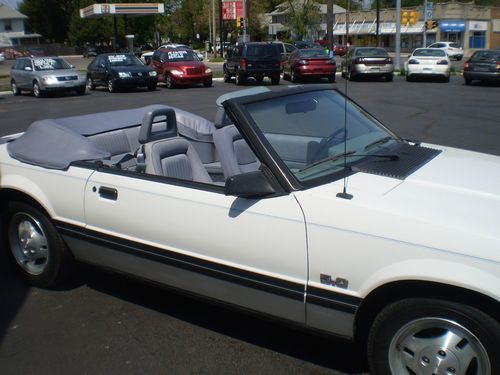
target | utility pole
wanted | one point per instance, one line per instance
(329, 23)
(214, 28)
(245, 20)
(221, 31)
(397, 59)
(378, 24)
(424, 36)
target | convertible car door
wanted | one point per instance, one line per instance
(250, 253)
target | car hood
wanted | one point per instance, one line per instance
(452, 203)
(58, 72)
(131, 69)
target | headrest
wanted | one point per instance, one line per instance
(158, 124)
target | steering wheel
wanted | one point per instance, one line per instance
(326, 143)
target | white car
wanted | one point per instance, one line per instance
(2, 57)
(452, 49)
(428, 62)
(340, 227)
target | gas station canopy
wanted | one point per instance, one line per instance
(129, 9)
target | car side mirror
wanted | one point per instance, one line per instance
(102, 66)
(249, 185)
(28, 68)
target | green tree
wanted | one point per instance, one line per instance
(303, 18)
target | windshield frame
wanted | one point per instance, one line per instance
(236, 109)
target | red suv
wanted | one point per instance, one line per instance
(180, 66)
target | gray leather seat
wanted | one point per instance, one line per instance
(175, 157)
(235, 155)
(164, 152)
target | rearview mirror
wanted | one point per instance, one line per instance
(249, 185)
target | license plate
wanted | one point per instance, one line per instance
(375, 69)
(427, 69)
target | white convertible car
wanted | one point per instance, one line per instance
(295, 204)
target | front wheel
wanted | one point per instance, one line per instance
(389, 77)
(37, 91)
(275, 80)
(430, 336)
(239, 79)
(227, 76)
(207, 83)
(468, 81)
(36, 246)
(111, 85)
(169, 81)
(152, 86)
(90, 83)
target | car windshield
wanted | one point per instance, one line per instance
(313, 53)
(371, 52)
(50, 63)
(312, 131)
(182, 55)
(486, 55)
(124, 60)
(262, 50)
(429, 52)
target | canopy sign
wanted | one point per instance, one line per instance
(131, 9)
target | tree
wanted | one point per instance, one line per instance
(303, 18)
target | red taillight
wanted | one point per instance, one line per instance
(466, 65)
(498, 66)
(243, 64)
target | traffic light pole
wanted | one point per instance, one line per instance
(424, 37)
(397, 57)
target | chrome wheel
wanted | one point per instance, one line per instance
(90, 84)
(28, 243)
(436, 346)
(111, 85)
(15, 90)
(36, 90)
(168, 82)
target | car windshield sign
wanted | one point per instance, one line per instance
(50, 64)
(124, 60)
(182, 55)
(307, 132)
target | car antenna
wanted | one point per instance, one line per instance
(344, 194)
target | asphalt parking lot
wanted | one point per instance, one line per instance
(103, 323)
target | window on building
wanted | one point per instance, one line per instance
(7, 25)
(477, 39)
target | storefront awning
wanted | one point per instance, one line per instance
(369, 28)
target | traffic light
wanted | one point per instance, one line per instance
(404, 17)
(240, 22)
(413, 17)
(430, 24)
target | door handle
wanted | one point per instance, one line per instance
(108, 193)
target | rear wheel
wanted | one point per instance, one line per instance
(227, 77)
(152, 86)
(389, 77)
(259, 79)
(207, 83)
(468, 81)
(37, 91)
(275, 80)
(294, 77)
(36, 246)
(446, 79)
(408, 78)
(15, 89)
(430, 336)
(239, 79)
(331, 78)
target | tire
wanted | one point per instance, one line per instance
(37, 91)
(275, 80)
(431, 336)
(259, 79)
(227, 77)
(90, 84)
(111, 85)
(468, 81)
(207, 83)
(152, 87)
(408, 78)
(238, 79)
(36, 246)
(389, 77)
(169, 82)
(15, 89)
(446, 79)
(293, 77)
(81, 90)
(331, 79)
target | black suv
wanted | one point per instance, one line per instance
(256, 59)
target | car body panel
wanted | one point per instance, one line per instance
(369, 61)
(310, 63)
(423, 62)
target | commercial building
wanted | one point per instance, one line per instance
(470, 25)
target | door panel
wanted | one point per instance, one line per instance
(257, 237)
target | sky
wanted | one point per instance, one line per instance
(11, 3)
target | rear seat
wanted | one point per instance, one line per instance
(120, 143)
